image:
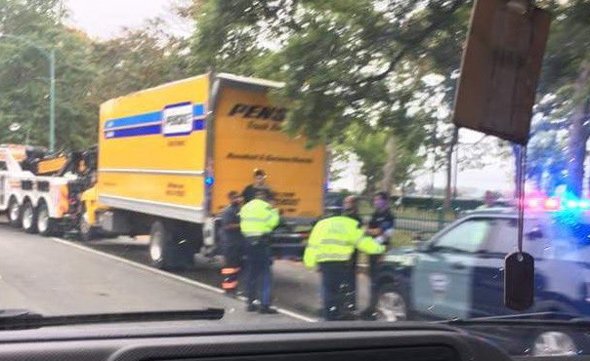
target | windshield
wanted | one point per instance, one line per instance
(293, 161)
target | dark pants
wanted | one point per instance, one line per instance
(352, 280)
(233, 253)
(336, 291)
(374, 263)
(258, 266)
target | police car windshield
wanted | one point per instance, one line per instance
(291, 161)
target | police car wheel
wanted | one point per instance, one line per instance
(553, 343)
(391, 305)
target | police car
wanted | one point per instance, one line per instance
(459, 272)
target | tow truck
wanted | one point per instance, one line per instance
(40, 192)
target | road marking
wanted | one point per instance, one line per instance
(173, 276)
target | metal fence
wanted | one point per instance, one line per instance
(414, 224)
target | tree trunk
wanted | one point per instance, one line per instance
(390, 164)
(449, 170)
(578, 134)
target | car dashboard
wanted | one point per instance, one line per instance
(200, 341)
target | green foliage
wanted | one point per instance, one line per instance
(88, 71)
(350, 67)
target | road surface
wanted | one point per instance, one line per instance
(56, 277)
(294, 287)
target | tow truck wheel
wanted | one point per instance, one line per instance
(391, 305)
(29, 218)
(14, 213)
(45, 225)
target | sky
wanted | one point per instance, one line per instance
(105, 19)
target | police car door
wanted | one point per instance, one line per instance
(443, 273)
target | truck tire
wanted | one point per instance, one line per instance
(86, 232)
(162, 245)
(29, 217)
(14, 213)
(46, 225)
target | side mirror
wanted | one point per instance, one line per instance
(534, 234)
(424, 246)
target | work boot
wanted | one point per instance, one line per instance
(267, 310)
(252, 307)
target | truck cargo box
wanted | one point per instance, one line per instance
(176, 150)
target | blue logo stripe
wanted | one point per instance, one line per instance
(143, 124)
(134, 120)
(134, 132)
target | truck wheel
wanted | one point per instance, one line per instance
(14, 213)
(86, 232)
(45, 225)
(29, 217)
(161, 239)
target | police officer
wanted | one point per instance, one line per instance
(232, 244)
(259, 185)
(330, 245)
(381, 227)
(258, 218)
(351, 210)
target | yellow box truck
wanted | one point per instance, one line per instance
(169, 155)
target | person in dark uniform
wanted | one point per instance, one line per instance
(259, 185)
(232, 244)
(350, 209)
(381, 228)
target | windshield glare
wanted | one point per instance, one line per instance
(289, 162)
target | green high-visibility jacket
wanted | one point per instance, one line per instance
(258, 218)
(334, 239)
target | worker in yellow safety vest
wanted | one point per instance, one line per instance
(258, 218)
(330, 246)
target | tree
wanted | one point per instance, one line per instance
(88, 71)
(566, 77)
(345, 63)
(369, 148)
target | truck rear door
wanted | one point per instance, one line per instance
(246, 135)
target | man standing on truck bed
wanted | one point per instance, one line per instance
(259, 185)
(258, 219)
(233, 244)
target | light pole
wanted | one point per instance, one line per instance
(50, 55)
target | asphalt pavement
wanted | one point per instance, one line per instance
(57, 277)
(295, 288)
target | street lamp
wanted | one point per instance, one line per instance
(50, 55)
